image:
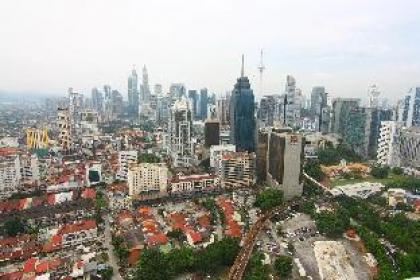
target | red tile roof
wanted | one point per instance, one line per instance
(157, 239)
(78, 226)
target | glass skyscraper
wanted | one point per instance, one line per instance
(242, 118)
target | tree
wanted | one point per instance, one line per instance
(283, 266)
(256, 270)
(313, 169)
(14, 227)
(153, 265)
(175, 234)
(181, 260)
(107, 273)
(269, 199)
(333, 224)
(148, 158)
(379, 172)
(397, 171)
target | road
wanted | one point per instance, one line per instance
(112, 259)
(238, 268)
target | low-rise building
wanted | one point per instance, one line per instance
(217, 150)
(181, 184)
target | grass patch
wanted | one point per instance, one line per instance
(384, 181)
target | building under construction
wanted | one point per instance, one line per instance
(64, 127)
(37, 138)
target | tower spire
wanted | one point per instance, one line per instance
(242, 68)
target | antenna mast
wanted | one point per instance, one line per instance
(261, 68)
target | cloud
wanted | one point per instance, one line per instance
(49, 45)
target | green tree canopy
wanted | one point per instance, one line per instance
(283, 266)
(269, 199)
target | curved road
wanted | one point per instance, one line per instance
(238, 268)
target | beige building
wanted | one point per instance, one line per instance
(236, 169)
(147, 178)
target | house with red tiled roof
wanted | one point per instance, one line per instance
(78, 233)
(134, 256)
(89, 193)
(193, 237)
(157, 239)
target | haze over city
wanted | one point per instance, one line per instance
(48, 46)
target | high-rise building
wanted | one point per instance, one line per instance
(373, 93)
(97, 100)
(280, 159)
(388, 143)
(180, 126)
(145, 88)
(162, 109)
(211, 133)
(222, 109)
(29, 168)
(267, 110)
(292, 103)
(242, 117)
(409, 109)
(193, 99)
(341, 108)
(409, 147)
(133, 94)
(64, 127)
(203, 103)
(9, 175)
(158, 89)
(147, 179)
(125, 160)
(362, 130)
(319, 108)
(117, 104)
(236, 170)
(176, 91)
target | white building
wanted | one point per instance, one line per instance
(180, 144)
(125, 159)
(217, 150)
(29, 170)
(387, 153)
(9, 175)
(181, 184)
(148, 178)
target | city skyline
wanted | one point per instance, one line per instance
(344, 46)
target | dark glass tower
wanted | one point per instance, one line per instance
(242, 118)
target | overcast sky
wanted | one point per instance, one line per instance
(345, 45)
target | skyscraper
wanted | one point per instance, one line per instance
(97, 100)
(413, 114)
(193, 98)
(279, 160)
(341, 108)
(222, 109)
(145, 89)
(319, 109)
(242, 118)
(180, 126)
(294, 102)
(133, 95)
(203, 103)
